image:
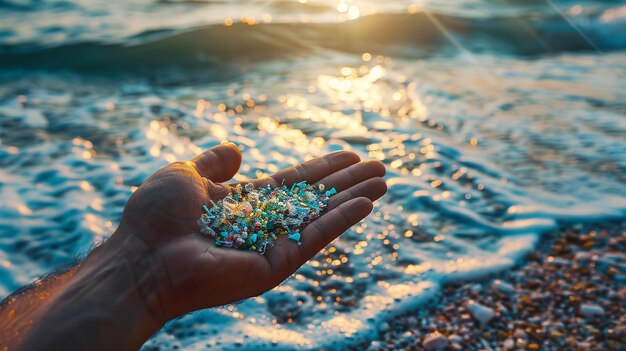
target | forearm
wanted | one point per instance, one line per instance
(19, 311)
(95, 305)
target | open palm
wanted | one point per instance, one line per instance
(187, 271)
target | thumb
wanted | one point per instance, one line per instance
(219, 163)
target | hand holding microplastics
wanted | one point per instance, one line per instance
(186, 271)
(253, 219)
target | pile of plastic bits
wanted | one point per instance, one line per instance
(253, 219)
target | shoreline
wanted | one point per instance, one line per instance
(570, 293)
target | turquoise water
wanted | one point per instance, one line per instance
(498, 122)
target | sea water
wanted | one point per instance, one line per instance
(497, 122)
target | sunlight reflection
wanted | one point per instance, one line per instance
(351, 87)
(353, 12)
(96, 225)
(333, 119)
(171, 147)
(276, 335)
(342, 6)
(374, 90)
(23, 209)
(347, 326)
(613, 14)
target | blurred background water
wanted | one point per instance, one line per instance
(498, 121)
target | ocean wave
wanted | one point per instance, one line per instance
(407, 35)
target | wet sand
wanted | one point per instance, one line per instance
(570, 294)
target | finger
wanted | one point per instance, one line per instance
(219, 163)
(354, 174)
(310, 171)
(286, 255)
(372, 189)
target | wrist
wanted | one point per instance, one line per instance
(99, 303)
(122, 276)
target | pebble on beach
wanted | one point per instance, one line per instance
(503, 287)
(482, 313)
(591, 310)
(435, 341)
(508, 344)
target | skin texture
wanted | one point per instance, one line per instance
(156, 266)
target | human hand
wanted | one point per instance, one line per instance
(178, 270)
(157, 266)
